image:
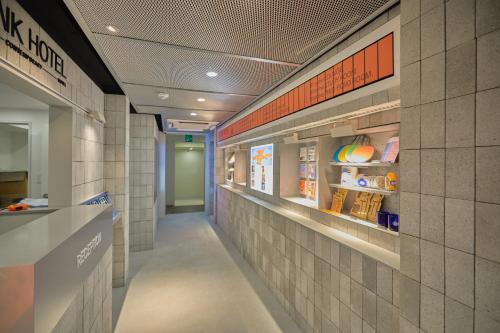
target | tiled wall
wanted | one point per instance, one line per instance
(450, 180)
(116, 178)
(91, 309)
(88, 154)
(324, 285)
(142, 177)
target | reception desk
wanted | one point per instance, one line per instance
(45, 264)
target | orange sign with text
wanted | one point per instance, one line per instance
(371, 64)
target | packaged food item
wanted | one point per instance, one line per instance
(348, 176)
(391, 181)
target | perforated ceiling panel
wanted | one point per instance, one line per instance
(169, 46)
(184, 114)
(286, 30)
(146, 95)
(162, 65)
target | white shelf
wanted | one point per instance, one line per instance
(363, 189)
(364, 165)
(361, 221)
(302, 201)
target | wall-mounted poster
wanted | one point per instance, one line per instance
(261, 168)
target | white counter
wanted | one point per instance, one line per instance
(45, 262)
(32, 241)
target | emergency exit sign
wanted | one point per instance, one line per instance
(188, 138)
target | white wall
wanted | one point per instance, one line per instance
(39, 121)
(189, 174)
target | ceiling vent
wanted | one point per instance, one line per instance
(189, 126)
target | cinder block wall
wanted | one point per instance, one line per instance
(116, 178)
(87, 159)
(450, 180)
(324, 285)
(142, 178)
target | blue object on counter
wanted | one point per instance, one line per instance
(383, 219)
(393, 221)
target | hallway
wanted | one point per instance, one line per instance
(196, 281)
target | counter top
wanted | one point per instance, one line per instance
(31, 242)
(375, 252)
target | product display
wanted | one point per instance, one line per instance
(377, 182)
(335, 156)
(302, 187)
(391, 181)
(303, 154)
(393, 221)
(338, 200)
(303, 170)
(349, 176)
(230, 167)
(261, 175)
(361, 205)
(311, 153)
(374, 206)
(391, 150)
(388, 220)
(311, 190)
(361, 151)
(311, 171)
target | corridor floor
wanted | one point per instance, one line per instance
(195, 280)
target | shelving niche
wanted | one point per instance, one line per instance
(378, 128)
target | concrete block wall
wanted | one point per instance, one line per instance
(142, 177)
(91, 309)
(450, 90)
(88, 156)
(324, 285)
(116, 178)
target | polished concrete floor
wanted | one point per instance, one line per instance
(196, 281)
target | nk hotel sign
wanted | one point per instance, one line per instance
(371, 64)
(23, 38)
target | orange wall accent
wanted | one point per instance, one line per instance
(371, 64)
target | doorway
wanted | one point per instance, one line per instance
(189, 179)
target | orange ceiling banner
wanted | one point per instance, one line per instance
(371, 64)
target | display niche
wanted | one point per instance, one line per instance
(299, 172)
(352, 174)
(236, 166)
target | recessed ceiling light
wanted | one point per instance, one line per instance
(212, 74)
(112, 28)
(194, 114)
(162, 95)
(201, 99)
(190, 148)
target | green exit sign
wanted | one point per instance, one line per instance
(188, 138)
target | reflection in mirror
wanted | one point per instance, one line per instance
(14, 162)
